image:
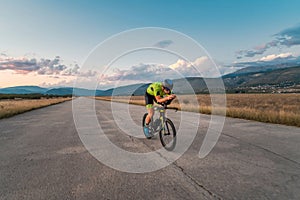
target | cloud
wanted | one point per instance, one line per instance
(183, 64)
(281, 60)
(202, 64)
(163, 43)
(249, 53)
(158, 72)
(3, 54)
(50, 67)
(71, 71)
(141, 72)
(24, 65)
(274, 56)
(288, 38)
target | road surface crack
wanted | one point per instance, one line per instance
(265, 149)
(196, 182)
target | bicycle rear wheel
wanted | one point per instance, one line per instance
(168, 135)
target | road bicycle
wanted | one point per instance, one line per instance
(162, 125)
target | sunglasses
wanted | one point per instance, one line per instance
(168, 89)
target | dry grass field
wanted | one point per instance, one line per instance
(12, 107)
(271, 108)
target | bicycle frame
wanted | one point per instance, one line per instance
(162, 117)
(158, 127)
(163, 125)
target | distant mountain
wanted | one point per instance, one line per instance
(23, 90)
(135, 89)
(70, 91)
(272, 78)
(263, 66)
(190, 85)
(187, 85)
(47, 91)
(60, 91)
(284, 77)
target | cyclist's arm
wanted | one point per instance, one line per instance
(160, 99)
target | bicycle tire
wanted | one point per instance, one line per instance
(168, 140)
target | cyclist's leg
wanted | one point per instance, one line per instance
(149, 99)
(149, 116)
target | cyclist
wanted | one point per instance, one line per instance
(159, 92)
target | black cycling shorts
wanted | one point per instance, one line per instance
(149, 99)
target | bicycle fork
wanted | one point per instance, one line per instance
(164, 126)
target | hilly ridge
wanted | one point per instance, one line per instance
(23, 90)
(268, 80)
(275, 79)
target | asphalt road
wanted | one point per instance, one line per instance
(43, 157)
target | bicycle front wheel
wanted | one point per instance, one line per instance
(168, 135)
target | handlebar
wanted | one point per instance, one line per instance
(165, 106)
(172, 108)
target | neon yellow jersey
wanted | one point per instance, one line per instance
(155, 89)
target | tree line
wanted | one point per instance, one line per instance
(32, 96)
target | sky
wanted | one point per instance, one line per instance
(51, 43)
